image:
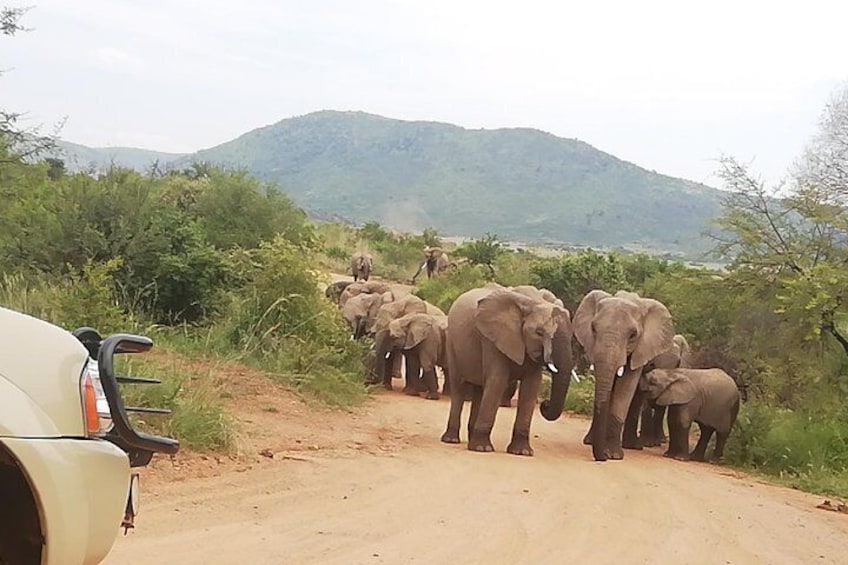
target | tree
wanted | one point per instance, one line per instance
(793, 238)
(484, 251)
(18, 143)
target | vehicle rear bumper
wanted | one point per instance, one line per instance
(81, 487)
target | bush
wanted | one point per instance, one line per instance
(442, 291)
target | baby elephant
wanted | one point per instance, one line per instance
(707, 396)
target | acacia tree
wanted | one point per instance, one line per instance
(16, 142)
(793, 237)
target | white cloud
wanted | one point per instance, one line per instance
(668, 85)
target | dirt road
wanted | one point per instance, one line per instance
(376, 486)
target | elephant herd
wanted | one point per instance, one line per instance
(497, 339)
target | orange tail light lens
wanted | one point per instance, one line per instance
(92, 420)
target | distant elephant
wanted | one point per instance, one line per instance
(641, 408)
(363, 287)
(707, 396)
(496, 335)
(361, 265)
(620, 334)
(423, 340)
(391, 309)
(436, 262)
(334, 290)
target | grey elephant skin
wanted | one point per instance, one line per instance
(620, 334)
(709, 397)
(391, 309)
(436, 262)
(651, 433)
(361, 265)
(497, 335)
(422, 338)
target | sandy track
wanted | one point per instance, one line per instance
(376, 486)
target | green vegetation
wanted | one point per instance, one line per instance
(524, 184)
(202, 260)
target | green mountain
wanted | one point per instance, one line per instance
(81, 158)
(522, 184)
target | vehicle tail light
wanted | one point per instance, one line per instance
(98, 419)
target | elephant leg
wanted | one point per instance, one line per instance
(629, 439)
(476, 393)
(528, 394)
(506, 399)
(587, 439)
(446, 385)
(413, 370)
(658, 417)
(718, 452)
(646, 425)
(493, 390)
(678, 434)
(700, 452)
(622, 396)
(431, 384)
(451, 434)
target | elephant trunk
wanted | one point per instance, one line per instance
(359, 327)
(563, 360)
(610, 359)
(383, 350)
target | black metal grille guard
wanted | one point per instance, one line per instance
(139, 446)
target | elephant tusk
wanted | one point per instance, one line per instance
(574, 376)
(620, 371)
(592, 367)
(388, 354)
(552, 368)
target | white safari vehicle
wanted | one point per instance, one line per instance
(67, 448)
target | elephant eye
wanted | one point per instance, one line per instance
(540, 331)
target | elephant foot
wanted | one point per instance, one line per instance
(615, 453)
(520, 445)
(696, 456)
(648, 441)
(433, 396)
(716, 460)
(632, 443)
(480, 441)
(450, 436)
(410, 391)
(677, 456)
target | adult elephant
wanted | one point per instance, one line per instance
(620, 334)
(392, 309)
(547, 296)
(361, 265)
(436, 262)
(334, 291)
(360, 313)
(422, 338)
(496, 335)
(363, 287)
(650, 413)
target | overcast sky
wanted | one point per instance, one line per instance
(668, 85)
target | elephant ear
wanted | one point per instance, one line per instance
(500, 318)
(680, 390)
(583, 318)
(417, 329)
(685, 350)
(562, 317)
(657, 333)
